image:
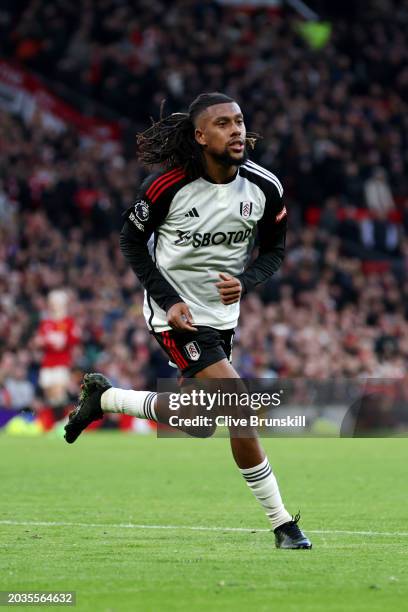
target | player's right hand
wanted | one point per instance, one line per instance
(179, 317)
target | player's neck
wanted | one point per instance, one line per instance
(219, 173)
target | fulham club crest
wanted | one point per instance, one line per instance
(193, 351)
(245, 209)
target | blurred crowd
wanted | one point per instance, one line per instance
(335, 128)
(330, 119)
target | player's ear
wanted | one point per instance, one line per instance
(199, 136)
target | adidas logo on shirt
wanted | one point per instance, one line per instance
(192, 213)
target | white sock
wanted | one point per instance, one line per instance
(126, 401)
(262, 482)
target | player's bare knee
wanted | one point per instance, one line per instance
(204, 431)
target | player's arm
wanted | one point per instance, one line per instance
(272, 237)
(142, 218)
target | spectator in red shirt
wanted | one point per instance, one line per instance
(57, 335)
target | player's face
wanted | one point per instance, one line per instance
(221, 131)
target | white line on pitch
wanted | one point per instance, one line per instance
(190, 528)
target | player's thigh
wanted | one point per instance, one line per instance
(220, 369)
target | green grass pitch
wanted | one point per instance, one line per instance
(107, 480)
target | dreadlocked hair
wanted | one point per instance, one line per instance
(171, 141)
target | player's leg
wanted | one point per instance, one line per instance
(255, 468)
(98, 397)
(190, 351)
(156, 407)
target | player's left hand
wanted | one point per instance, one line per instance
(229, 288)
